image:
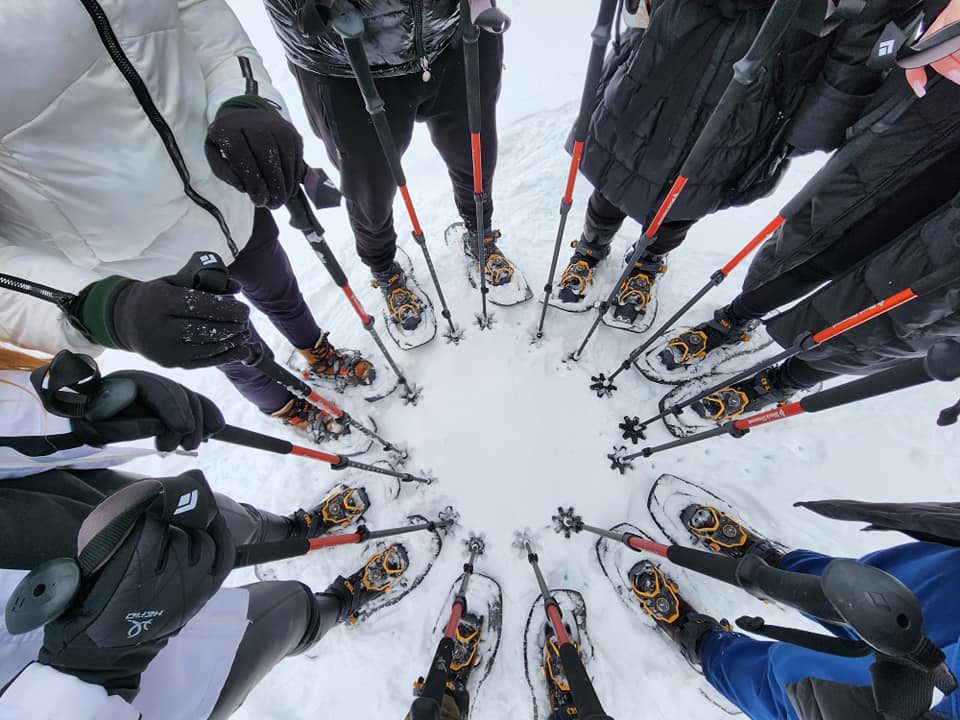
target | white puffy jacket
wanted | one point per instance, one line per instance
(87, 184)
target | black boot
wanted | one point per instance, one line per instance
(403, 306)
(723, 534)
(578, 275)
(558, 687)
(662, 601)
(766, 388)
(338, 510)
(376, 577)
(691, 346)
(636, 292)
(498, 269)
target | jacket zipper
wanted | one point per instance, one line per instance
(418, 39)
(142, 93)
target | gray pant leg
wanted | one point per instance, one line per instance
(251, 525)
(285, 618)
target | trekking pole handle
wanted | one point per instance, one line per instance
(600, 38)
(765, 44)
(798, 590)
(248, 438)
(937, 279)
(584, 696)
(471, 58)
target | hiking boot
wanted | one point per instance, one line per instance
(347, 367)
(341, 508)
(498, 270)
(377, 576)
(694, 344)
(766, 388)
(403, 306)
(636, 292)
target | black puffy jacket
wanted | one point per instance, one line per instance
(907, 331)
(400, 36)
(662, 85)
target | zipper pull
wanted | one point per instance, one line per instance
(425, 64)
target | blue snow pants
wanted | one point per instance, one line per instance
(754, 674)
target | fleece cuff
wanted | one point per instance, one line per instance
(92, 313)
(246, 102)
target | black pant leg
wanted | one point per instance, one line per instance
(338, 115)
(671, 235)
(445, 113)
(601, 222)
(285, 618)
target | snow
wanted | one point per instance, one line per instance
(512, 431)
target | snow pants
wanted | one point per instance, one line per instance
(339, 117)
(268, 282)
(754, 674)
(604, 219)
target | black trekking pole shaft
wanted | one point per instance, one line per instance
(600, 38)
(746, 71)
(303, 219)
(351, 33)
(872, 127)
(34, 289)
(584, 696)
(942, 363)
(471, 66)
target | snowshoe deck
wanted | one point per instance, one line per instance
(484, 600)
(513, 293)
(615, 560)
(670, 495)
(644, 320)
(728, 360)
(427, 329)
(574, 609)
(604, 276)
(349, 444)
(382, 387)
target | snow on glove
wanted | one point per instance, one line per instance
(175, 415)
(253, 148)
(168, 324)
(949, 66)
(138, 592)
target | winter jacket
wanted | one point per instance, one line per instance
(87, 184)
(899, 157)
(400, 36)
(663, 84)
(39, 692)
(907, 331)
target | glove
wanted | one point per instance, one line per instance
(140, 592)
(949, 66)
(171, 325)
(175, 415)
(253, 148)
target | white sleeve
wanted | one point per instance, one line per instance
(37, 324)
(42, 693)
(220, 43)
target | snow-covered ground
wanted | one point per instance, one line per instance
(512, 431)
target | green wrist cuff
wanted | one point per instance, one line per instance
(246, 102)
(93, 311)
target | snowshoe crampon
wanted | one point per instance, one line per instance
(506, 284)
(414, 299)
(544, 678)
(637, 303)
(384, 383)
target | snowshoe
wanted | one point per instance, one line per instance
(378, 385)
(379, 574)
(646, 590)
(478, 636)
(635, 306)
(342, 507)
(689, 514)
(585, 281)
(549, 689)
(337, 368)
(408, 313)
(702, 350)
(764, 389)
(324, 429)
(506, 284)
(575, 280)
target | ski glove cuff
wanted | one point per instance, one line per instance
(254, 149)
(159, 407)
(171, 325)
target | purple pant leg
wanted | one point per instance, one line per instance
(264, 272)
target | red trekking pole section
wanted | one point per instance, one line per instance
(634, 429)
(941, 363)
(600, 38)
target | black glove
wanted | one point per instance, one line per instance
(173, 326)
(160, 407)
(251, 147)
(138, 593)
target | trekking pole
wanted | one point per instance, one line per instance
(303, 219)
(350, 28)
(584, 696)
(427, 705)
(746, 72)
(867, 130)
(256, 553)
(634, 430)
(258, 441)
(942, 363)
(471, 63)
(600, 38)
